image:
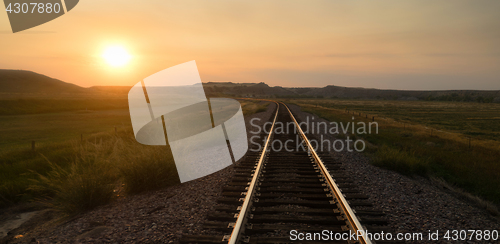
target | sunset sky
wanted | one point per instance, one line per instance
(397, 44)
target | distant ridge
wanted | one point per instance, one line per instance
(110, 89)
(22, 81)
(28, 82)
(442, 95)
(246, 89)
(331, 91)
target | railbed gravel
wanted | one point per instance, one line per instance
(412, 204)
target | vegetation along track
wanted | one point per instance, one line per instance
(276, 191)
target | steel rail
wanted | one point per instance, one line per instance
(237, 229)
(351, 216)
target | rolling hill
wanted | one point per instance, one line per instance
(264, 90)
(21, 81)
(27, 82)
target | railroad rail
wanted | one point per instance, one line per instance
(277, 191)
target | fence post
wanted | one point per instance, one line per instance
(373, 118)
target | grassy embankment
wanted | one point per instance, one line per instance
(429, 139)
(72, 174)
(251, 107)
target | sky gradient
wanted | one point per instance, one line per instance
(411, 44)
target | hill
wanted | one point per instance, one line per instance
(364, 93)
(264, 90)
(245, 89)
(21, 81)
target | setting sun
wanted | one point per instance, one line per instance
(116, 56)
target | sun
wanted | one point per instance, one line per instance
(116, 56)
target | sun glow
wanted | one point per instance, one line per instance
(116, 56)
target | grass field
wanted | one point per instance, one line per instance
(54, 105)
(59, 147)
(477, 120)
(18, 131)
(74, 175)
(428, 139)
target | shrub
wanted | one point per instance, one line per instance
(87, 182)
(85, 175)
(145, 168)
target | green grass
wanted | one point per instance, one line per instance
(478, 120)
(411, 149)
(47, 105)
(88, 181)
(64, 171)
(250, 107)
(145, 168)
(18, 131)
(404, 161)
(72, 175)
(83, 175)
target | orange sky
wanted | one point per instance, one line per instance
(411, 44)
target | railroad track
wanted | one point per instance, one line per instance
(276, 194)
